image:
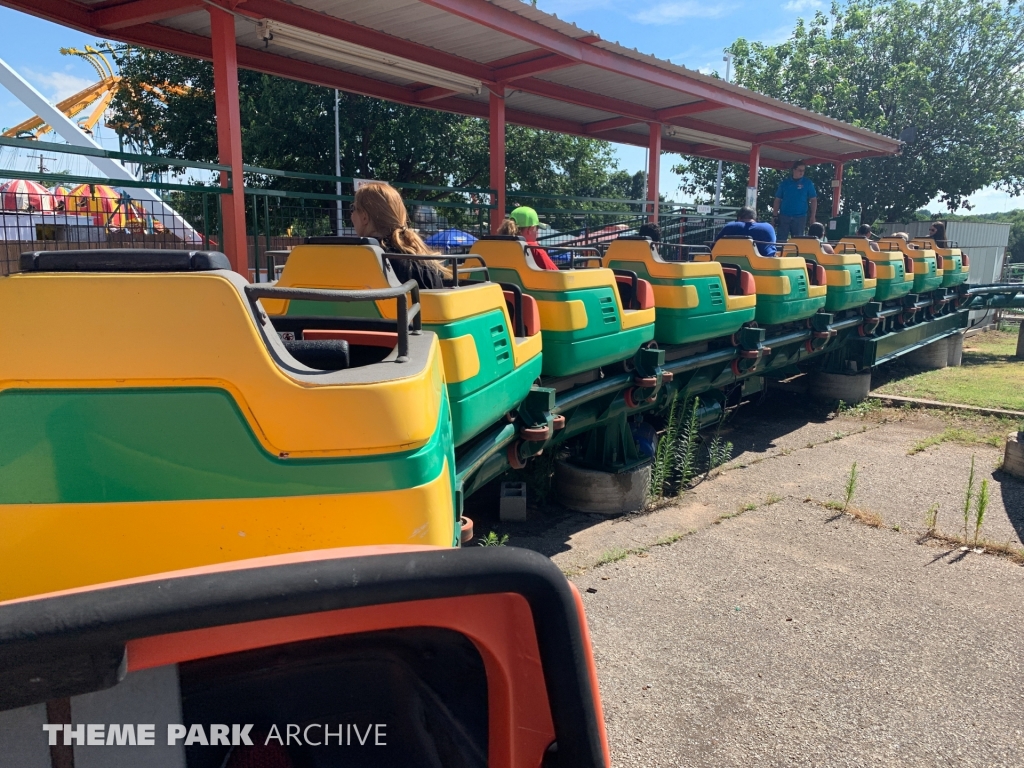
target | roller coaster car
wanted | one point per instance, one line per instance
(927, 273)
(693, 301)
(588, 317)
(789, 288)
(849, 277)
(489, 334)
(373, 657)
(956, 265)
(151, 419)
(893, 270)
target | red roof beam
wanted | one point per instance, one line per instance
(140, 12)
(610, 125)
(692, 108)
(580, 98)
(432, 93)
(510, 23)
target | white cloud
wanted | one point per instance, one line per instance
(799, 6)
(56, 86)
(667, 13)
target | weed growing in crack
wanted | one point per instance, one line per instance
(676, 458)
(979, 510)
(931, 518)
(968, 498)
(612, 556)
(493, 540)
(851, 486)
(772, 499)
(662, 466)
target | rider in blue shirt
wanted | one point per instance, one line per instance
(795, 194)
(761, 232)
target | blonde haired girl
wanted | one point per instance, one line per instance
(378, 211)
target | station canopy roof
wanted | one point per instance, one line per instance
(451, 54)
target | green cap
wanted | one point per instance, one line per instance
(524, 216)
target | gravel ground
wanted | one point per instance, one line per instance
(792, 635)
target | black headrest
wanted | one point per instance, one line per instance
(735, 237)
(633, 237)
(502, 237)
(123, 260)
(803, 237)
(341, 240)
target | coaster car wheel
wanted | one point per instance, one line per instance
(514, 459)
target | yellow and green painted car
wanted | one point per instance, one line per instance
(894, 280)
(847, 285)
(927, 275)
(693, 301)
(582, 318)
(785, 291)
(153, 421)
(955, 264)
(488, 369)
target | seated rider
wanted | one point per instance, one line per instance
(937, 232)
(864, 230)
(378, 211)
(761, 232)
(651, 231)
(817, 231)
(524, 222)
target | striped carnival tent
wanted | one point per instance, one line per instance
(25, 196)
(60, 197)
(108, 207)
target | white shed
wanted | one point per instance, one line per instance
(985, 243)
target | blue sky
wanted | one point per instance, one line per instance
(692, 33)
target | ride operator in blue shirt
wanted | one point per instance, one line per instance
(796, 193)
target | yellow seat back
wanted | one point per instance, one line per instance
(743, 247)
(511, 254)
(811, 247)
(929, 243)
(646, 253)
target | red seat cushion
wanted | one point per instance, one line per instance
(531, 314)
(748, 286)
(644, 294)
(869, 269)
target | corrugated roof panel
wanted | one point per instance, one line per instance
(539, 105)
(616, 86)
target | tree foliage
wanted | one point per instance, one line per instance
(948, 68)
(289, 125)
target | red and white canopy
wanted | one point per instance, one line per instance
(23, 195)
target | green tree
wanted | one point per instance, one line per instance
(948, 68)
(289, 125)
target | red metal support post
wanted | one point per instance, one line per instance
(755, 168)
(497, 141)
(229, 137)
(653, 169)
(837, 189)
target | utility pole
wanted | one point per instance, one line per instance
(42, 159)
(337, 164)
(718, 182)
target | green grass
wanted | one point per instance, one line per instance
(612, 556)
(990, 376)
(956, 435)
